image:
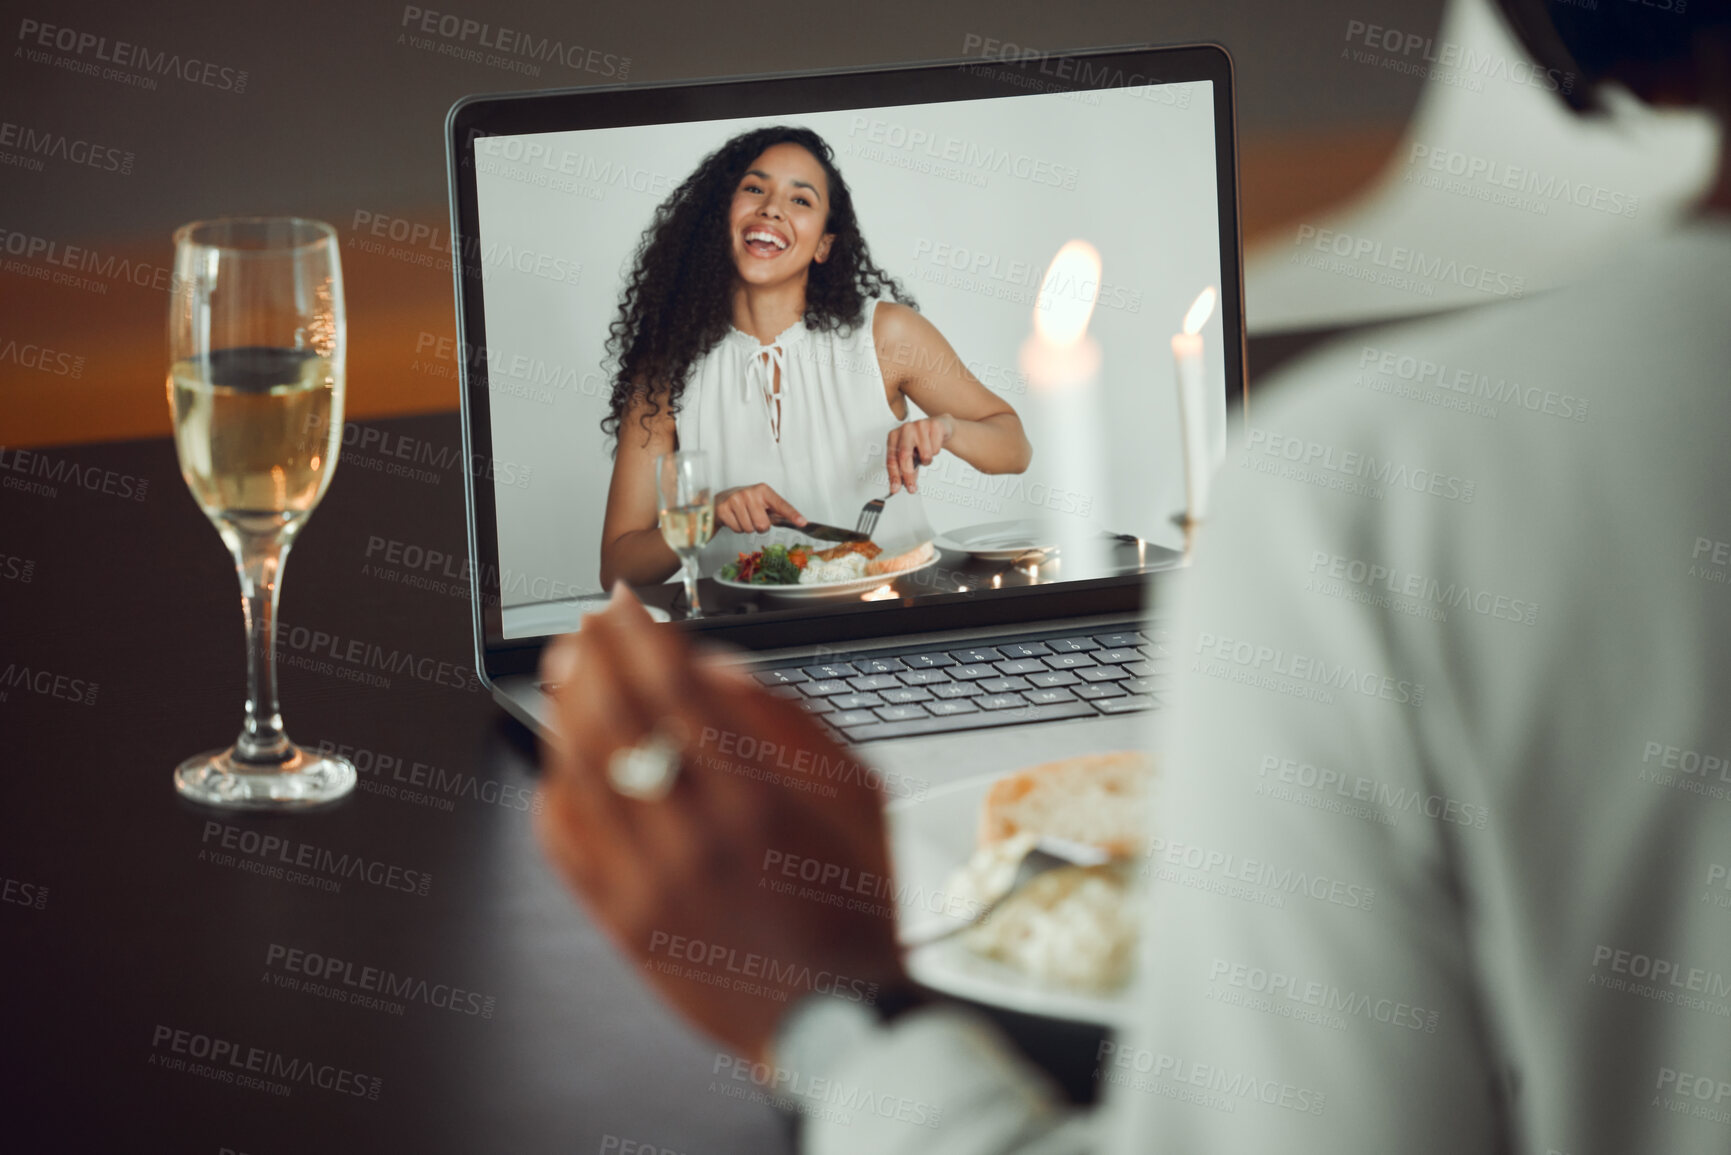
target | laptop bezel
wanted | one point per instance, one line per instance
(793, 95)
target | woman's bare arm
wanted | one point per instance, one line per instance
(965, 418)
(632, 548)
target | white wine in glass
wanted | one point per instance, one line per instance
(687, 506)
(253, 431)
(688, 528)
(255, 388)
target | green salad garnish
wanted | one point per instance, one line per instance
(773, 565)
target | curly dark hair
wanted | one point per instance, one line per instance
(677, 303)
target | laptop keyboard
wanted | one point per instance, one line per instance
(930, 689)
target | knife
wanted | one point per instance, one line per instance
(820, 531)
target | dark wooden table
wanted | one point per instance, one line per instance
(402, 967)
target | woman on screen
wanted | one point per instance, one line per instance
(755, 327)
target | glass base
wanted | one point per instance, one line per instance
(304, 780)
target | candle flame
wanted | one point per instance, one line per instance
(1067, 293)
(1200, 311)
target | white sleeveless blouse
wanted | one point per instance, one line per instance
(817, 439)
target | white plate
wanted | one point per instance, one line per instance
(999, 540)
(829, 589)
(929, 838)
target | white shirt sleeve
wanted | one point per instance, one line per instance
(1307, 976)
(938, 1081)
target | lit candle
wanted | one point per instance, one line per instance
(1062, 364)
(1193, 406)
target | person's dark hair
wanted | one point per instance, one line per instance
(677, 304)
(1622, 40)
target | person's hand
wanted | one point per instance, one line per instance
(746, 509)
(761, 877)
(912, 444)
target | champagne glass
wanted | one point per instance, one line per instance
(687, 507)
(256, 337)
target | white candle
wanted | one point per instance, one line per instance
(1062, 364)
(1193, 406)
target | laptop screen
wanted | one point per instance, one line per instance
(849, 325)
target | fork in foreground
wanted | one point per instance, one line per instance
(1047, 854)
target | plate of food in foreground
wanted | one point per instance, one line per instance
(1063, 946)
(797, 571)
(1000, 540)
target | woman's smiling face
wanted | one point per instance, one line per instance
(780, 207)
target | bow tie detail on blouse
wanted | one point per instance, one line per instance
(765, 376)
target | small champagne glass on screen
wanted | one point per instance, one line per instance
(256, 337)
(687, 513)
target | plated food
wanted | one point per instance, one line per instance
(781, 565)
(1073, 927)
(1098, 799)
(798, 565)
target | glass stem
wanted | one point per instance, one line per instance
(259, 560)
(689, 565)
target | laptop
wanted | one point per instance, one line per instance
(1015, 623)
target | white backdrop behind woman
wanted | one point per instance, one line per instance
(560, 226)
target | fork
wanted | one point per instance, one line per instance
(868, 514)
(1046, 855)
